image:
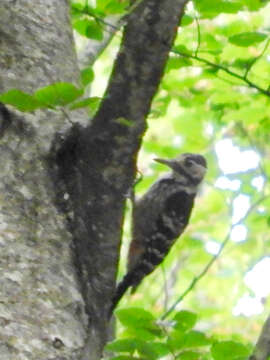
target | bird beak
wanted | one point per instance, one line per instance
(167, 162)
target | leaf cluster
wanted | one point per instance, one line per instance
(91, 21)
(54, 96)
(144, 337)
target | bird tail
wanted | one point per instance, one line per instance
(133, 279)
(120, 291)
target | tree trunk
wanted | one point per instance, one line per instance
(42, 312)
(262, 348)
(64, 188)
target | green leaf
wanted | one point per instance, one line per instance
(195, 339)
(87, 76)
(189, 355)
(115, 7)
(101, 4)
(140, 322)
(192, 339)
(247, 38)
(58, 94)
(225, 350)
(81, 26)
(176, 62)
(77, 7)
(92, 102)
(210, 8)
(185, 320)
(182, 49)
(160, 349)
(147, 350)
(253, 5)
(94, 31)
(89, 28)
(243, 63)
(212, 44)
(134, 317)
(20, 100)
(94, 12)
(152, 350)
(186, 20)
(144, 333)
(122, 345)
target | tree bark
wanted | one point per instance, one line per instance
(262, 348)
(42, 313)
(63, 195)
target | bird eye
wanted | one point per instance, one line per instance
(188, 162)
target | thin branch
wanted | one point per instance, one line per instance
(256, 59)
(165, 287)
(65, 113)
(196, 279)
(226, 70)
(122, 21)
(170, 280)
(198, 36)
(100, 20)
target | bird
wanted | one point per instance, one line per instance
(159, 217)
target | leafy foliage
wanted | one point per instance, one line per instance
(214, 99)
(57, 95)
(176, 339)
(247, 39)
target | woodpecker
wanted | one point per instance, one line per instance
(160, 217)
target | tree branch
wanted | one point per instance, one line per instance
(97, 164)
(262, 348)
(256, 59)
(226, 70)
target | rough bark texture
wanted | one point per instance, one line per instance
(262, 348)
(41, 308)
(98, 163)
(44, 314)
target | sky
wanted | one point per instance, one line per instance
(257, 279)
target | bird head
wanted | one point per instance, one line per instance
(191, 167)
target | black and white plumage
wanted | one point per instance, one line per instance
(160, 217)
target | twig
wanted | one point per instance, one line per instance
(88, 11)
(196, 279)
(165, 286)
(198, 36)
(66, 115)
(226, 70)
(257, 58)
(122, 21)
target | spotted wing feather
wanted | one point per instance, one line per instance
(157, 222)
